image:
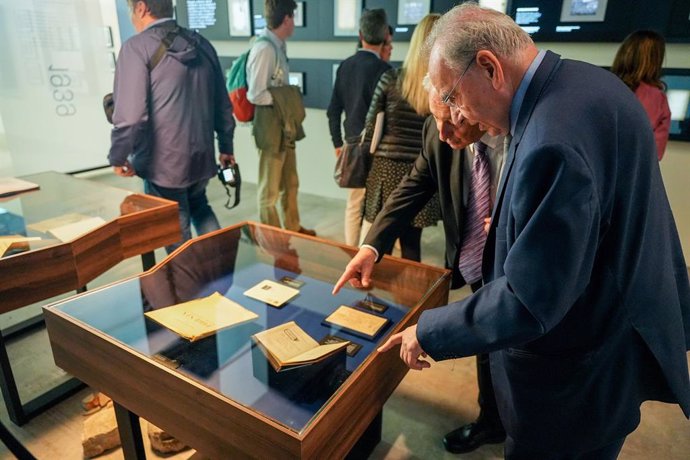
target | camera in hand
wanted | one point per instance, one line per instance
(227, 175)
(231, 179)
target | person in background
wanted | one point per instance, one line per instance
(387, 49)
(267, 70)
(401, 96)
(585, 306)
(355, 81)
(638, 63)
(165, 114)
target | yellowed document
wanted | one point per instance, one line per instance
(357, 321)
(11, 186)
(288, 345)
(200, 318)
(74, 230)
(272, 293)
(15, 241)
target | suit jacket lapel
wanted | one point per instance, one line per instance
(539, 82)
(456, 185)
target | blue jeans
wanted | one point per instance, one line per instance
(193, 206)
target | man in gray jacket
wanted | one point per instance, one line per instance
(169, 99)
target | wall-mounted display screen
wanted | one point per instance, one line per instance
(678, 95)
(587, 20)
(216, 19)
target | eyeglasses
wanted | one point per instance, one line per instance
(449, 99)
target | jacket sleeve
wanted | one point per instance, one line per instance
(335, 111)
(551, 228)
(378, 101)
(131, 97)
(406, 201)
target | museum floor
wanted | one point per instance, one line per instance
(426, 405)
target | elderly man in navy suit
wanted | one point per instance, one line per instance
(586, 302)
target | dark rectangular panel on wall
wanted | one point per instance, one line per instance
(559, 21)
(217, 23)
(678, 28)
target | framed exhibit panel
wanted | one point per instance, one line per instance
(299, 15)
(218, 392)
(297, 79)
(412, 11)
(346, 14)
(240, 18)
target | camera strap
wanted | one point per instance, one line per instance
(237, 187)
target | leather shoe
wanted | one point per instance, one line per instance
(306, 231)
(470, 437)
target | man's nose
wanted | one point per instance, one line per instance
(456, 116)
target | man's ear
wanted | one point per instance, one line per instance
(490, 65)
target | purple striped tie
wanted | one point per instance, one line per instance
(478, 208)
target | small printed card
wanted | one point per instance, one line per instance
(292, 282)
(272, 293)
(352, 347)
(356, 321)
(371, 305)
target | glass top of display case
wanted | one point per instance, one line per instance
(63, 208)
(230, 262)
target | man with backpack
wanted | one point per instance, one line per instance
(277, 118)
(169, 98)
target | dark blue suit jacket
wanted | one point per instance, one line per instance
(587, 302)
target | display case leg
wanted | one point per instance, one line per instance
(369, 439)
(148, 260)
(130, 433)
(13, 444)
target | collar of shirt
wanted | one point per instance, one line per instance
(275, 39)
(519, 96)
(492, 141)
(370, 51)
(158, 21)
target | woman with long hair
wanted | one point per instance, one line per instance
(638, 63)
(400, 94)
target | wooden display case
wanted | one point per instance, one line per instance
(208, 393)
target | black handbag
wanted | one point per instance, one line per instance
(352, 166)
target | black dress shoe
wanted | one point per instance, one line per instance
(306, 231)
(470, 437)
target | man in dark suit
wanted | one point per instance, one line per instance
(444, 166)
(586, 302)
(353, 89)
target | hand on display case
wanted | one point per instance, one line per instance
(410, 349)
(358, 271)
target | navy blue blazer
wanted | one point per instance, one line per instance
(586, 306)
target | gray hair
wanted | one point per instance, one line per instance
(373, 25)
(469, 28)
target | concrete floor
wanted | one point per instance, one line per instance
(424, 407)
